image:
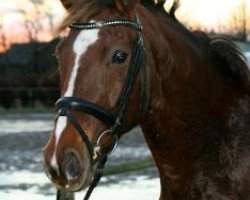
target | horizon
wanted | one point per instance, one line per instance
(18, 16)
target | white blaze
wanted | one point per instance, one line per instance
(84, 39)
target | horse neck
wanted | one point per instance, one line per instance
(183, 93)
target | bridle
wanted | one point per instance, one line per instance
(67, 104)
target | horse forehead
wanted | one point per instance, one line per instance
(84, 39)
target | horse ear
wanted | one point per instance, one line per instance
(126, 6)
(67, 4)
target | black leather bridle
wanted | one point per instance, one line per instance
(67, 104)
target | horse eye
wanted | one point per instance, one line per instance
(119, 57)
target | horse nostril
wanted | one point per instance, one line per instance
(71, 166)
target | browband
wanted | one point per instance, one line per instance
(99, 24)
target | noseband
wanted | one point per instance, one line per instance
(113, 121)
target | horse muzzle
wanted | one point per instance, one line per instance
(71, 172)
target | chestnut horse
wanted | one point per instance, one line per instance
(124, 63)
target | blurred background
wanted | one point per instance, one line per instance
(29, 86)
(28, 70)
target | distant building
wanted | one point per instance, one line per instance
(29, 75)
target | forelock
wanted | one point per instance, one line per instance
(84, 10)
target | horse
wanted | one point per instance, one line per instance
(124, 64)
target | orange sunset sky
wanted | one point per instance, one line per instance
(207, 14)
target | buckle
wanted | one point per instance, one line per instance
(105, 144)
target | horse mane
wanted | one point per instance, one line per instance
(231, 62)
(83, 10)
(159, 8)
(222, 52)
(225, 56)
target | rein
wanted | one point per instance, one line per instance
(67, 104)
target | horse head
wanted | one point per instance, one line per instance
(101, 88)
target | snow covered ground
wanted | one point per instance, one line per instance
(28, 186)
(18, 123)
(22, 138)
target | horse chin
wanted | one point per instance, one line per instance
(84, 184)
(83, 181)
(87, 177)
(86, 181)
(80, 184)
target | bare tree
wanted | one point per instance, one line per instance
(35, 24)
(3, 39)
(32, 25)
(4, 46)
(239, 21)
(47, 14)
(50, 17)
